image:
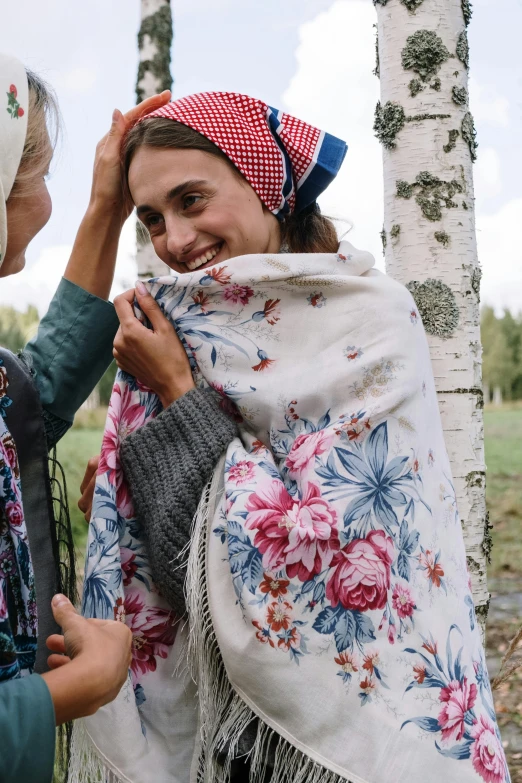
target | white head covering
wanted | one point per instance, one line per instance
(14, 96)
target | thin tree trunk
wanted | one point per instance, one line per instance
(428, 137)
(154, 43)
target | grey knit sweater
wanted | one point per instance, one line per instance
(167, 464)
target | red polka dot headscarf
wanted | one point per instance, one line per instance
(286, 161)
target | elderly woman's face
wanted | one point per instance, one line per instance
(27, 214)
(198, 211)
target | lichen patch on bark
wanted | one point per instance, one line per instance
(424, 53)
(437, 306)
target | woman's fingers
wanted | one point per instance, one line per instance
(56, 643)
(146, 106)
(90, 471)
(55, 661)
(123, 305)
(151, 308)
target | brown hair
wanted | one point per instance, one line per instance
(43, 124)
(305, 232)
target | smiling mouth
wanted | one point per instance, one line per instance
(205, 258)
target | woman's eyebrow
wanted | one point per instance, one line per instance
(173, 193)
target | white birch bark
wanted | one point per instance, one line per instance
(153, 75)
(414, 254)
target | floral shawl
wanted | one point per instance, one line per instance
(327, 586)
(18, 618)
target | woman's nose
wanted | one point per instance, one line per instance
(181, 237)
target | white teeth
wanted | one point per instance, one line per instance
(209, 255)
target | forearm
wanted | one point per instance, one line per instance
(93, 258)
(73, 691)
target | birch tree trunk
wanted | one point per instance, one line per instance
(428, 137)
(154, 42)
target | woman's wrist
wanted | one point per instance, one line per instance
(173, 391)
(76, 690)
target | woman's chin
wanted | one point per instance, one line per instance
(11, 266)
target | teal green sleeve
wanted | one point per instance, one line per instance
(71, 351)
(27, 731)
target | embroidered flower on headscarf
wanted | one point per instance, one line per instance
(13, 107)
(348, 662)
(238, 293)
(360, 575)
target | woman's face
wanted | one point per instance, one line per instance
(198, 211)
(27, 214)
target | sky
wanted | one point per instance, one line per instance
(313, 58)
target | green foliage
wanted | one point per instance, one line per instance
(389, 121)
(502, 357)
(106, 383)
(17, 328)
(424, 53)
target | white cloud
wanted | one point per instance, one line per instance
(500, 253)
(488, 107)
(487, 176)
(37, 283)
(334, 88)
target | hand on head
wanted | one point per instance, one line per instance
(107, 188)
(89, 663)
(154, 356)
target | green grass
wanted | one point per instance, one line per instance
(74, 450)
(503, 432)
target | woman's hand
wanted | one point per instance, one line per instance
(107, 190)
(87, 487)
(93, 258)
(89, 663)
(154, 356)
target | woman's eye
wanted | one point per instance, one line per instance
(153, 221)
(189, 201)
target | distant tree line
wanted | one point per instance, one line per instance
(502, 358)
(16, 329)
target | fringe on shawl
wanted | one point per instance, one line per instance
(223, 714)
(85, 764)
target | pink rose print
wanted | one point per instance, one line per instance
(305, 448)
(153, 633)
(14, 513)
(241, 472)
(414, 316)
(128, 565)
(124, 416)
(238, 293)
(13, 91)
(487, 754)
(300, 534)
(458, 698)
(402, 601)
(360, 575)
(10, 455)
